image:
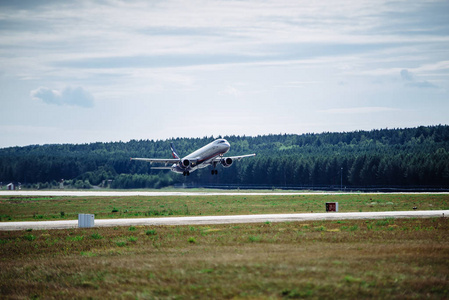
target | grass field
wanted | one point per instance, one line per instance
(390, 258)
(27, 208)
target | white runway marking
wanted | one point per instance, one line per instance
(205, 220)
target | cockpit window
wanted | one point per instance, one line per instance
(221, 141)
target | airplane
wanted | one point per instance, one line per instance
(209, 155)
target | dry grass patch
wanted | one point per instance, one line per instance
(267, 260)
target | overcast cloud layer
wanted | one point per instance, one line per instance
(86, 71)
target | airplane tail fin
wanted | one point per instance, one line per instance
(174, 152)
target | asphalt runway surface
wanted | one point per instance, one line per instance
(183, 193)
(138, 193)
(235, 219)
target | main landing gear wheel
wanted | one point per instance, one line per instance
(186, 173)
(214, 172)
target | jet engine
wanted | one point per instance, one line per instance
(226, 162)
(185, 163)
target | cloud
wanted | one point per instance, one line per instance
(411, 81)
(68, 96)
(358, 110)
(230, 90)
(406, 75)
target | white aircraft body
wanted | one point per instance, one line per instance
(209, 155)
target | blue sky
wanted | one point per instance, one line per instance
(87, 71)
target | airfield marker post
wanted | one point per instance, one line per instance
(331, 206)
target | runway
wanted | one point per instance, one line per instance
(234, 219)
(183, 193)
(141, 193)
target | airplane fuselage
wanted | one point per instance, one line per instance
(202, 157)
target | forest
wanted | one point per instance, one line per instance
(407, 158)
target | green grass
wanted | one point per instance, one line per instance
(75, 238)
(96, 236)
(254, 238)
(29, 237)
(120, 244)
(28, 208)
(150, 232)
(255, 261)
(132, 239)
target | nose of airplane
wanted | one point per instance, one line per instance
(227, 144)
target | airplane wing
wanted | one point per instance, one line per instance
(237, 158)
(160, 168)
(158, 160)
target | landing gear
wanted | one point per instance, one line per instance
(186, 173)
(214, 172)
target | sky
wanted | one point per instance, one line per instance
(101, 71)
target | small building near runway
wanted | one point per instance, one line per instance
(14, 186)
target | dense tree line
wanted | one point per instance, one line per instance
(388, 157)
